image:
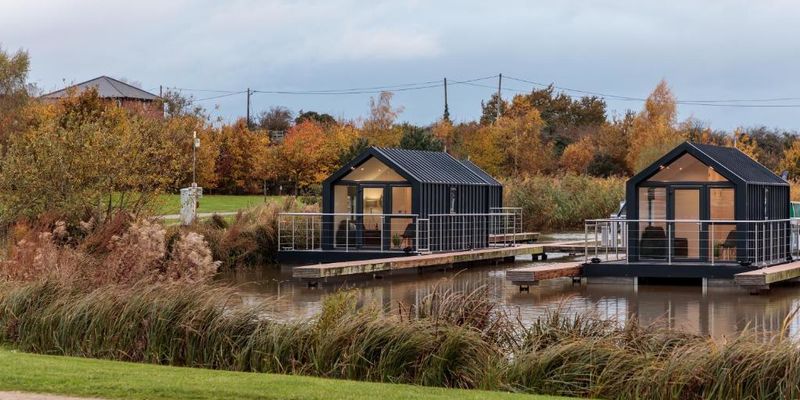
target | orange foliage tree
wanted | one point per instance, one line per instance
(653, 132)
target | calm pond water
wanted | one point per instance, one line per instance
(719, 311)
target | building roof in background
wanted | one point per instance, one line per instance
(108, 88)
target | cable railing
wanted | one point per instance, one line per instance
(402, 233)
(745, 242)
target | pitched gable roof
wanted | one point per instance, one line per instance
(740, 164)
(728, 161)
(107, 87)
(423, 166)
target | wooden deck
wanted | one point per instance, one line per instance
(522, 237)
(579, 247)
(761, 278)
(536, 273)
(385, 265)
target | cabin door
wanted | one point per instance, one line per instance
(372, 207)
(686, 234)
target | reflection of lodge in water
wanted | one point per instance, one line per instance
(700, 211)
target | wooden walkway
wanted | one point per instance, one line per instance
(761, 278)
(384, 265)
(522, 237)
(536, 273)
(579, 247)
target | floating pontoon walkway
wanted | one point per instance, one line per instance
(532, 275)
(522, 237)
(378, 267)
(760, 279)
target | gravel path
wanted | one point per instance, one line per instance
(38, 396)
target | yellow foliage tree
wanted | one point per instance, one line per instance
(653, 132)
(578, 156)
(240, 153)
(379, 128)
(745, 143)
(520, 139)
(791, 160)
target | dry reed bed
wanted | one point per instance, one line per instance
(449, 339)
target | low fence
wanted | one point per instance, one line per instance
(761, 243)
(397, 232)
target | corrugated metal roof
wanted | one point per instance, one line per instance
(739, 163)
(434, 166)
(481, 173)
(106, 88)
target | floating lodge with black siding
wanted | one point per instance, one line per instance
(389, 202)
(700, 211)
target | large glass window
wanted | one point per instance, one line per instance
(373, 170)
(344, 223)
(652, 229)
(686, 243)
(687, 169)
(402, 234)
(373, 218)
(723, 235)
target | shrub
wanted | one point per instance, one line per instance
(563, 202)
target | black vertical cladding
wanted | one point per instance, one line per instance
(759, 195)
(432, 176)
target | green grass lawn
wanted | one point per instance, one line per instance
(171, 203)
(111, 379)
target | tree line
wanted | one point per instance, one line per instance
(83, 152)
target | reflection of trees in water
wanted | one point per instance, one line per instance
(720, 311)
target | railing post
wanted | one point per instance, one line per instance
(280, 223)
(346, 233)
(669, 243)
(755, 243)
(595, 241)
(771, 243)
(712, 243)
(625, 241)
(294, 219)
(383, 228)
(586, 242)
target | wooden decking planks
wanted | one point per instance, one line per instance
(522, 237)
(536, 273)
(761, 278)
(348, 268)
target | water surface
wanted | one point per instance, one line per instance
(716, 311)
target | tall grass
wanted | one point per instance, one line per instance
(252, 237)
(552, 203)
(448, 339)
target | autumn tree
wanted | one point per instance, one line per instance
(653, 131)
(322, 119)
(301, 156)
(239, 153)
(275, 119)
(482, 145)
(489, 112)
(83, 155)
(791, 160)
(379, 128)
(520, 139)
(745, 143)
(417, 138)
(13, 92)
(578, 156)
(566, 120)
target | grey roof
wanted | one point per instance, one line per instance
(106, 88)
(481, 173)
(435, 167)
(739, 163)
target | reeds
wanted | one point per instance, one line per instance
(450, 339)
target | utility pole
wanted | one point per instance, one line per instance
(446, 110)
(248, 108)
(160, 90)
(499, 95)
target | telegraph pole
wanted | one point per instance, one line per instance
(499, 95)
(248, 108)
(446, 110)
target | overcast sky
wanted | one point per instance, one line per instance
(706, 50)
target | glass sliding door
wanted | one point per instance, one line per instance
(372, 220)
(686, 235)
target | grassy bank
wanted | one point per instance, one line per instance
(171, 203)
(453, 340)
(109, 379)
